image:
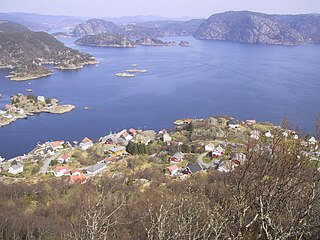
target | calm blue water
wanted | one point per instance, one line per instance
(209, 78)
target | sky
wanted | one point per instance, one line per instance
(166, 8)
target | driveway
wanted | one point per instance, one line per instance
(46, 163)
(202, 163)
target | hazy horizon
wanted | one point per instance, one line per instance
(164, 8)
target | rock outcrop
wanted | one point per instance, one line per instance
(95, 26)
(249, 27)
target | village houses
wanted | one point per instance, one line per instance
(85, 144)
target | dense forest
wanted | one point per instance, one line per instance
(275, 194)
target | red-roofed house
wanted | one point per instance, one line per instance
(126, 136)
(78, 177)
(57, 145)
(163, 131)
(177, 157)
(85, 144)
(173, 169)
(64, 158)
(132, 132)
(110, 159)
(8, 107)
(62, 170)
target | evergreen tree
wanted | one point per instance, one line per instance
(190, 127)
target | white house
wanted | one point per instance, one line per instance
(57, 145)
(312, 140)
(226, 166)
(251, 122)
(9, 116)
(217, 152)
(268, 134)
(41, 99)
(85, 144)
(285, 134)
(96, 168)
(254, 134)
(209, 147)
(126, 136)
(166, 137)
(173, 169)
(16, 169)
(20, 111)
(233, 124)
(62, 170)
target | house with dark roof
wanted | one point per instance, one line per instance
(233, 124)
(177, 157)
(238, 157)
(193, 168)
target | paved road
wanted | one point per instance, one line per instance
(46, 163)
(202, 163)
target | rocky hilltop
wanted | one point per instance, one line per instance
(11, 27)
(250, 27)
(106, 40)
(94, 27)
(26, 51)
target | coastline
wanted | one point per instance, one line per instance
(62, 109)
(23, 106)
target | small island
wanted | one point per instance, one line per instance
(154, 42)
(23, 106)
(106, 40)
(125, 75)
(184, 44)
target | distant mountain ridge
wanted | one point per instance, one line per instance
(251, 27)
(54, 23)
(166, 28)
(40, 22)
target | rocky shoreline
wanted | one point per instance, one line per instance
(23, 106)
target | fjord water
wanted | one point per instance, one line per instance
(209, 78)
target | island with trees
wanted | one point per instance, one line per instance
(23, 106)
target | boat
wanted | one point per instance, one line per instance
(29, 90)
(0, 95)
(126, 75)
(136, 71)
(134, 65)
(86, 108)
(29, 83)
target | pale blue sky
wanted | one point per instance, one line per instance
(169, 8)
